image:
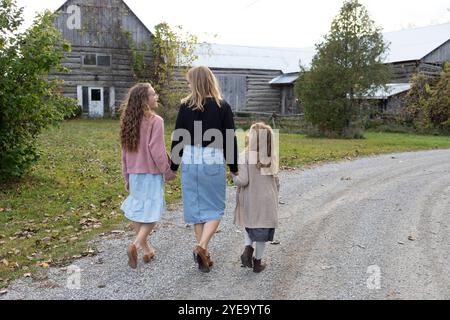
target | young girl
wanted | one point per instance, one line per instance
(144, 163)
(257, 198)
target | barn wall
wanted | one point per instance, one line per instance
(441, 54)
(244, 89)
(403, 71)
(260, 96)
(119, 75)
(103, 27)
(103, 24)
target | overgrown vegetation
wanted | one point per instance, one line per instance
(428, 102)
(29, 102)
(173, 52)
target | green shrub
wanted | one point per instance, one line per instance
(29, 102)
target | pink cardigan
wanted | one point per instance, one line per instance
(151, 156)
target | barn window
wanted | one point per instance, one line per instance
(101, 60)
(90, 60)
(96, 95)
(104, 61)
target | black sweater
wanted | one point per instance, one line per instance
(214, 117)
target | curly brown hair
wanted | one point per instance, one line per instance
(133, 109)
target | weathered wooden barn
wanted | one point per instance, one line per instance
(412, 51)
(252, 79)
(245, 75)
(100, 61)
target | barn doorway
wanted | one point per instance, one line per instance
(96, 107)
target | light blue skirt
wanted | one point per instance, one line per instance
(146, 202)
(203, 181)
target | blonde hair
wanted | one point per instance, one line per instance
(203, 84)
(133, 109)
(260, 138)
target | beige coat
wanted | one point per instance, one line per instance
(257, 197)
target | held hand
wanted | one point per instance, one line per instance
(170, 176)
(231, 176)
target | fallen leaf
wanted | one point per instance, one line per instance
(27, 275)
(40, 275)
(5, 262)
(400, 242)
(275, 243)
(411, 238)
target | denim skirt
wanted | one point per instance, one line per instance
(203, 182)
(146, 202)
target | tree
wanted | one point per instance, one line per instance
(29, 102)
(347, 67)
(173, 52)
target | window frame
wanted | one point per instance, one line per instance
(96, 65)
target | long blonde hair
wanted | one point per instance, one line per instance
(260, 143)
(133, 109)
(203, 84)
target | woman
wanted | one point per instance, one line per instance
(204, 128)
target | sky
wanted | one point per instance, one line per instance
(270, 23)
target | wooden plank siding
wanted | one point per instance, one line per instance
(259, 95)
(104, 24)
(244, 89)
(440, 55)
(403, 71)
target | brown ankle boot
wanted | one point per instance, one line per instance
(201, 257)
(258, 267)
(247, 257)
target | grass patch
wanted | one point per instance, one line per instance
(75, 190)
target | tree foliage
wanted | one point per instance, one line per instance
(428, 102)
(347, 67)
(173, 52)
(29, 102)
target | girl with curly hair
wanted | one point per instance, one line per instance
(145, 164)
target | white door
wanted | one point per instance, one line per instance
(96, 109)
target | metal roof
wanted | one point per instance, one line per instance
(243, 57)
(391, 90)
(288, 78)
(415, 44)
(404, 45)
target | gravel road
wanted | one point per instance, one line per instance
(374, 228)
